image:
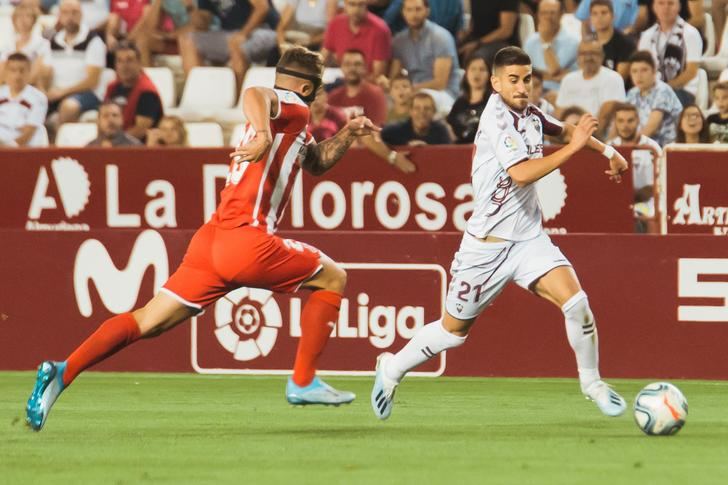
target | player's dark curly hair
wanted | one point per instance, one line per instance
(303, 59)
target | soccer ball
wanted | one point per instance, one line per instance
(660, 409)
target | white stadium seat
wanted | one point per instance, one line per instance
(709, 35)
(106, 78)
(526, 27)
(75, 134)
(204, 135)
(331, 74)
(260, 76)
(163, 80)
(714, 64)
(6, 30)
(703, 93)
(237, 134)
(207, 91)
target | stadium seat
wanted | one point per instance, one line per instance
(237, 134)
(75, 134)
(571, 24)
(709, 35)
(331, 74)
(43, 136)
(204, 135)
(6, 29)
(714, 64)
(207, 91)
(256, 76)
(163, 80)
(526, 27)
(107, 77)
(702, 96)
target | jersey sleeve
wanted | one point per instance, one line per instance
(510, 148)
(551, 126)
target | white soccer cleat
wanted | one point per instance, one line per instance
(384, 389)
(607, 400)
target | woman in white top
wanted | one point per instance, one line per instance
(27, 40)
(303, 22)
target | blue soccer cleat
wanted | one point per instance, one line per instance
(318, 392)
(383, 390)
(48, 386)
(607, 400)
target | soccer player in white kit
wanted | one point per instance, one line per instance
(504, 240)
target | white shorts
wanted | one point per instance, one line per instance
(480, 271)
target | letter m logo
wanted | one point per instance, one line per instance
(118, 288)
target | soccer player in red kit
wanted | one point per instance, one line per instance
(238, 246)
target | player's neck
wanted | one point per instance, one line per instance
(15, 90)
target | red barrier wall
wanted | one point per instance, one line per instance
(82, 189)
(660, 303)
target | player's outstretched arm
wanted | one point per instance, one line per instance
(320, 157)
(531, 170)
(617, 163)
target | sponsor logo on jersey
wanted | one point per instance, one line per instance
(74, 189)
(689, 211)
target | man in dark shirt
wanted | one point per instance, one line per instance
(493, 25)
(247, 34)
(110, 128)
(134, 92)
(420, 128)
(617, 47)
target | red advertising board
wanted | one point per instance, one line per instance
(696, 194)
(91, 189)
(661, 304)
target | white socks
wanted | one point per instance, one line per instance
(429, 341)
(582, 334)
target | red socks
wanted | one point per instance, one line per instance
(318, 318)
(113, 335)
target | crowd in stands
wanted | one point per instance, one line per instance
(418, 68)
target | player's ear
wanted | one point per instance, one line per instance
(306, 88)
(495, 82)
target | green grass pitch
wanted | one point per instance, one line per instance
(160, 428)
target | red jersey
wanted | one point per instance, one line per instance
(257, 193)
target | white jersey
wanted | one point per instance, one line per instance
(27, 109)
(505, 138)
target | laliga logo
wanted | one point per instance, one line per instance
(74, 189)
(247, 322)
(551, 191)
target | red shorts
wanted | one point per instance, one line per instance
(219, 260)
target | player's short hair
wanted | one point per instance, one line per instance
(643, 56)
(511, 56)
(603, 3)
(300, 58)
(625, 107)
(19, 57)
(127, 45)
(721, 86)
(573, 110)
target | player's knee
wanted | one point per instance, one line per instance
(577, 308)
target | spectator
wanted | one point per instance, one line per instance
(110, 128)
(326, 120)
(657, 104)
(170, 133)
(23, 38)
(78, 57)
(134, 92)
(718, 122)
(626, 123)
(22, 107)
(449, 14)
(421, 128)
(360, 30)
(247, 35)
(552, 50)
(676, 47)
(594, 87)
(163, 21)
(358, 94)
(95, 12)
(124, 21)
(464, 117)
(617, 47)
(493, 26)
(623, 14)
(691, 126)
(570, 115)
(427, 51)
(400, 90)
(691, 10)
(536, 97)
(308, 17)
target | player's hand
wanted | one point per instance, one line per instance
(617, 165)
(362, 126)
(253, 150)
(584, 130)
(403, 163)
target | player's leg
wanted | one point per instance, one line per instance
(119, 331)
(479, 271)
(559, 285)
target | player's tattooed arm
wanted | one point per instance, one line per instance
(321, 157)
